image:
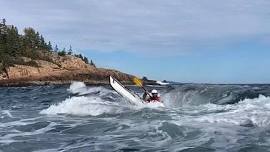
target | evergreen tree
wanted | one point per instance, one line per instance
(4, 21)
(92, 63)
(3, 40)
(2, 50)
(79, 56)
(29, 38)
(56, 48)
(31, 44)
(85, 60)
(42, 43)
(37, 40)
(62, 53)
(12, 42)
(70, 50)
(49, 46)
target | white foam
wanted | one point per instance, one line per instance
(7, 112)
(162, 83)
(7, 139)
(92, 105)
(77, 87)
(81, 89)
(255, 111)
(84, 106)
(153, 105)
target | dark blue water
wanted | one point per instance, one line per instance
(196, 118)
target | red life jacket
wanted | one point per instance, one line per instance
(154, 99)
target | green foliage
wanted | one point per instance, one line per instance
(70, 50)
(85, 60)
(13, 45)
(92, 63)
(56, 48)
(62, 53)
(30, 44)
(49, 46)
(79, 56)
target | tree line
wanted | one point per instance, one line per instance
(29, 44)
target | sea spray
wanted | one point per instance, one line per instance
(77, 87)
(254, 111)
(83, 106)
(203, 118)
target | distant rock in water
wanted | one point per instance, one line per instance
(58, 70)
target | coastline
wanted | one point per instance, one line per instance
(23, 83)
(45, 83)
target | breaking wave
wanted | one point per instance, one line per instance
(82, 118)
(93, 101)
(83, 106)
(248, 113)
(215, 104)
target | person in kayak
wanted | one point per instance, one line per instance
(153, 97)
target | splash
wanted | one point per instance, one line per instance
(248, 112)
(83, 106)
(94, 101)
(80, 88)
(77, 87)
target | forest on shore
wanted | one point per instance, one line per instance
(30, 44)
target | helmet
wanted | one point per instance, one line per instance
(154, 91)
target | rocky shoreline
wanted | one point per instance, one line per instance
(61, 70)
(45, 83)
(27, 59)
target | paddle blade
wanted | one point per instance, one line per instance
(137, 82)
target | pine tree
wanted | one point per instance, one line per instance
(56, 48)
(29, 38)
(13, 42)
(79, 56)
(42, 43)
(70, 50)
(37, 41)
(92, 63)
(49, 46)
(85, 60)
(4, 21)
(3, 44)
(31, 44)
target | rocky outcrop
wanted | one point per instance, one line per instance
(60, 69)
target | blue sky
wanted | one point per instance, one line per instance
(210, 41)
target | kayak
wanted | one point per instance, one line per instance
(131, 97)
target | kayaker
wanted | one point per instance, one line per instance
(151, 97)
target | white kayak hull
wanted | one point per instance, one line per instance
(131, 97)
(123, 91)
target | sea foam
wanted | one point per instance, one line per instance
(83, 106)
(255, 111)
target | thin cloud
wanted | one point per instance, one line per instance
(175, 26)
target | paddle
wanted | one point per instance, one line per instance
(138, 82)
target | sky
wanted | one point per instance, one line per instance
(200, 41)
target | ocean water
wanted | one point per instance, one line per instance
(196, 118)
